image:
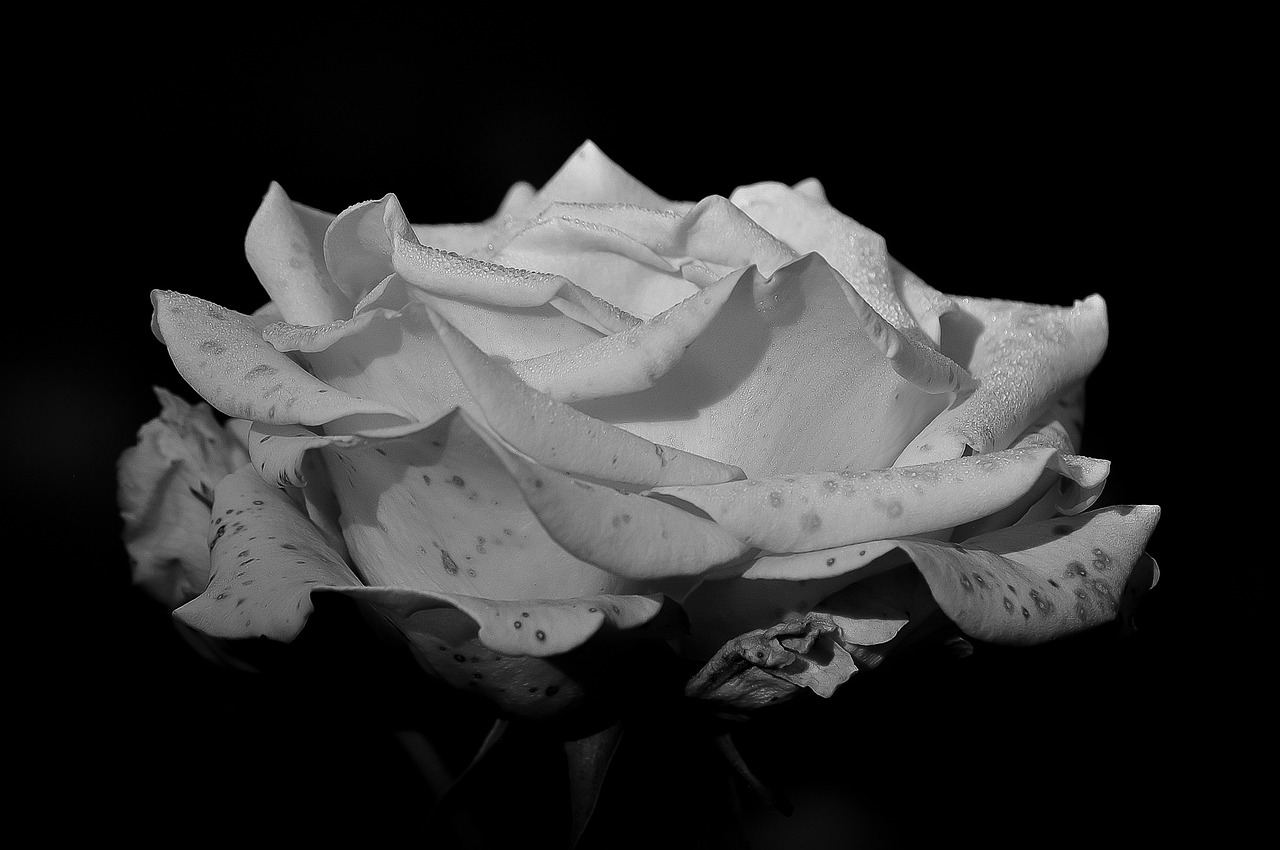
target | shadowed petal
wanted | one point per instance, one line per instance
(166, 487)
(633, 359)
(563, 438)
(290, 265)
(790, 376)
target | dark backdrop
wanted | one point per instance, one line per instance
(1033, 172)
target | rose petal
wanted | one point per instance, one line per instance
(770, 665)
(822, 563)
(266, 559)
(438, 511)
(1026, 356)
(858, 253)
(388, 351)
(628, 535)
(1039, 581)
(631, 360)
(787, 377)
(561, 437)
(223, 356)
(166, 485)
(290, 266)
(804, 512)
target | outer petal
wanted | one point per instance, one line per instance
(268, 559)
(223, 356)
(789, 376)
(633, 359)
(856, 252)
(1025, 355)
(511, 313)
(166, 486)
(1042, 580)
(800, 513)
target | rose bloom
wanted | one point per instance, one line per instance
(737, 428)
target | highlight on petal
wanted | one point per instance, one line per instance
(290, 266)
(165, 493)
(786, 377)
(267, 558)
(561, 437)
(1025, 355)
(804, 512)
(629, 535)
(224, 358)
(1043, 580)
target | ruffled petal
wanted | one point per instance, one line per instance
(858, 253)
(438, 511)
(559, 436)
(267, 558)
(629, 535)
(509, 312)
(1039, 581)
(631, 360)
(790, 375)
(166, 485)
(222, 355)
(611, 263)
(800, 513)
(1025, 355)
(770, 665)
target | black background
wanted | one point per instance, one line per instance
(1042, 168)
